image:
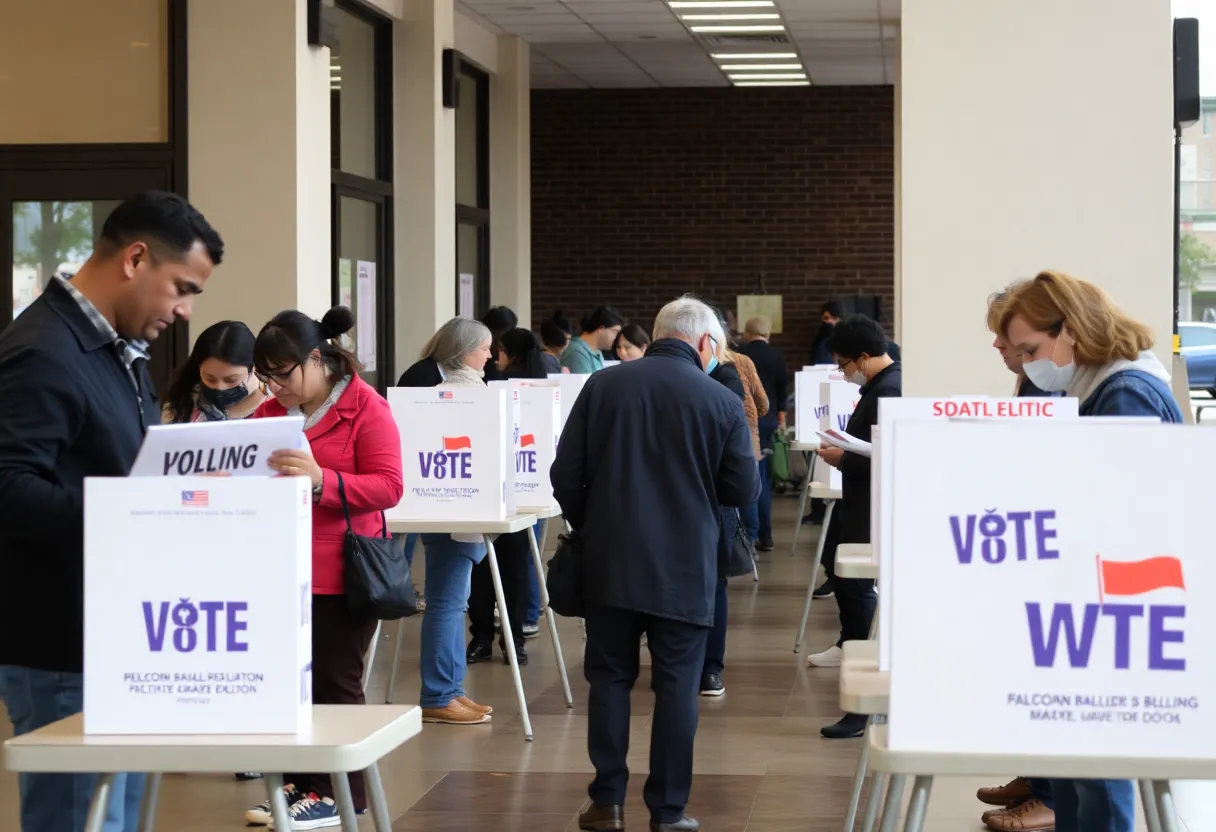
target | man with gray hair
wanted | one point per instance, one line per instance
(650, 451)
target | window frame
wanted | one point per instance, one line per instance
(478, 215)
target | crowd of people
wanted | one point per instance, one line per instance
(76, 399)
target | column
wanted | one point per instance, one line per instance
(424, 178)
(511, 179)
(1035, 134)
(259, 158)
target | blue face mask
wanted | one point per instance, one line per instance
(712, 365)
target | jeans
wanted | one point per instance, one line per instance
(1094, 805)
(514, 557)
(411, 540)
(715, 644)
(533, 616)
(764, 503)
(1040, 788)
(60, 802)
(449, 567)
(751, 517)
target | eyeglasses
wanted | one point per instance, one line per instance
(279, 378)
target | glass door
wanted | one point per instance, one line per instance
(362, 281)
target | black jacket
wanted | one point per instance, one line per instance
(853, 510)
(68, 410)
(422, 373)
(770, 367)
(648, 454)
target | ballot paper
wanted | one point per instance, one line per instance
(237, 448)
(845, 441)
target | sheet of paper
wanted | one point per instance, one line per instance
(465, 308)
(846, 442)
(238, 448)
(365, 314)
(345, 284)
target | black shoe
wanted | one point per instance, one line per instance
(813, 519)
(521, 655)
(684, 824)
(825, 590)
(602, 819)
(480, 650)
(849, 727)
(765, 545)
(711, 685)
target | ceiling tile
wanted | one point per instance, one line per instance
(513, 22)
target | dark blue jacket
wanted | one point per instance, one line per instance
(651, 449)
(68, 410)
(1132, 393)
(852, 513)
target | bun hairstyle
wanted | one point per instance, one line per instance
(291, 337)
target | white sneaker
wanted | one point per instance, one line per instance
(831, 657)
(530, 630)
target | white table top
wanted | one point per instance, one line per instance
(863, 652)
(864, 689)
(805, 444)
(820, 491)
(856, 560)
(343, 738)
(541, 512)
(515, 523)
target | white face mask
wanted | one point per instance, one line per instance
(858, 377)
(1048, 376)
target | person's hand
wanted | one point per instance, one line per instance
(781, 419)
(295, 463)
(566, 370)
(831, 456)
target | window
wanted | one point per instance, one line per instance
(361, 138)
(473, 191)
(1197, 336)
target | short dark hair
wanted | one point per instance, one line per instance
(555, 331)
(601, 317)
(833, 308)
(167, 222)
(291, 336)
(523, 354)
(858, 335)
(499, 319)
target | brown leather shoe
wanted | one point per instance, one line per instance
(473, 706)
(602, 819)
(1014, 791)
(1028, 816)
(454, 714)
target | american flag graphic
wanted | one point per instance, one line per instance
(196, 499)
(445, 394)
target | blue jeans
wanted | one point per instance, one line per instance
(751, 517)
(533, 583)
(1040, 788)
(715, 644)
(411, 540)
(1094, 805)
(60, 802)
(764, 504)
(449, 567)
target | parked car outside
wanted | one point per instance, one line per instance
(1199, 351)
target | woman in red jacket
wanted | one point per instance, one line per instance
(351, 431)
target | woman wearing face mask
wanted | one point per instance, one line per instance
(631, 343)
(353, 462)
(1073, 340)
(859, 347)
(216, 382)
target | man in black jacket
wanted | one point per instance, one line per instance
(859, 347)
(650, 451)
(75, 401)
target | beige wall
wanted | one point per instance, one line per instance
(1012, 162)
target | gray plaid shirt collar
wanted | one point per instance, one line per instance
(130, 351)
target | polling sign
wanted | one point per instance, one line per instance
(236, 448)
(197, 605)
(1074, 573)
(458, 449)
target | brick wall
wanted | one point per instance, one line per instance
(641, 195)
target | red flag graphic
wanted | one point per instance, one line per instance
(1136, 577)
(456, 443)
(526, 440)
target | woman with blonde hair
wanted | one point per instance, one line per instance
(1072, 339)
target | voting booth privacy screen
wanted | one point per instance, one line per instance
(198, 605)
(1076, 557)
(572, 384)
(838, 400)
(458, 449)
(540, 425)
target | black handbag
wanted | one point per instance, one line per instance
(378, 582)
(565, 577)
(741, 551)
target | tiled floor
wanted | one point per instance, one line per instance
(761, 765)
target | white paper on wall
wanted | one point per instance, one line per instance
(365, 315)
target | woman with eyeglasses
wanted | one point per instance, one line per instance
(216, 382)
(353, 461)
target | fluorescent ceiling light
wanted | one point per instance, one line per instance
(770, 76)
(754, 67)
(772, 83)
(724, 4)
(743, 28)
(744, 16)
(754, 56)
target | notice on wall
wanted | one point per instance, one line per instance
(365, 332)
(759, 306)
(236, 448)
(345, 283)
(465, 308)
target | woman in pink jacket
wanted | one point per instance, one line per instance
(350, 432)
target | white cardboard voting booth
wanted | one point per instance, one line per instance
(838, 399)
(1077, 576)
(882, 488)
(458, 449)
(198, 605)
(572, 384)
(809, 406)
(540, 427)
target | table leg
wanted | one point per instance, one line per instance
(802, 496)
(810, 587)
(370, 659)
(550, 617)
(859, 779)
(892, 805)
(147, 809)
(915, 821)
(1166, 812)
(391, 693)
(874, 625)
(544, 535)
(878, 787)
(96, 820)
(1148, 798)
(345, 801)
(755, 569)
(508, 638)
(376, 800)
(278, 800)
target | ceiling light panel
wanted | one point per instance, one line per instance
(755, 56)
(769, 76)
(740, 28)
(757, 67)
(725, 4)
(772, 83)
